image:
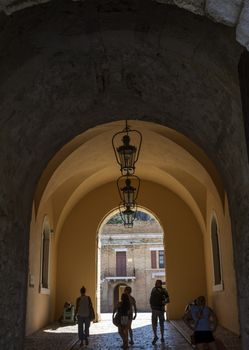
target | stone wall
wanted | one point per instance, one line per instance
(229, 12)
(69, 68)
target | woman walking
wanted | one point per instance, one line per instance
(203, 316)
(122, 309)
(132, 313)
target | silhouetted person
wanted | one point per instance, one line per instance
(202, 316)
(187, 317)
(122, 308)
(132, 314)
(83, 313)
(158, 299)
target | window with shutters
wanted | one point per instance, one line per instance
(121, 264)
(153, 259)
(157, 259)
(161, 259)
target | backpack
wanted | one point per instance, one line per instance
(159, 298)
(165, 297)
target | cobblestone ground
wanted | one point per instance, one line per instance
(103, 335)
(229, 339)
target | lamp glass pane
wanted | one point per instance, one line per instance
(126, 155)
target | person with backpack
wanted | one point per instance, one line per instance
(85, 314)
(158, 299)
(205, 322)
(120, 318)
(187, 317)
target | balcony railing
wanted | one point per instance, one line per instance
(113, 274)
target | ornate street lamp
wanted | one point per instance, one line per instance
(127, 215)
(127, 154)
(128, 193)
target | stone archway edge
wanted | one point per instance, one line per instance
(233, 13)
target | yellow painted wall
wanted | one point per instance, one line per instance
(185, 215)
(184, 245)
(40, 307)
(224, 301)
(188, 254)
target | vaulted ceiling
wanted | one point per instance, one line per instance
(167, 158)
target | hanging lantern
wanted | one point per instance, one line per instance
(127, 154)
(128, 193)
(127, 215)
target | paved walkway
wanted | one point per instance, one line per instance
(229, 339)
(104, 336)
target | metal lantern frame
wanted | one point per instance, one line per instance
(127, 215)
(127, 192)
(127, 154)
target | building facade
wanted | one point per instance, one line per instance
(134, 258)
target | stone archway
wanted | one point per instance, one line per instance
(153, 67)
(80, 191)
(142, 254)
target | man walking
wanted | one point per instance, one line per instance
(158, 299)
(83, 313)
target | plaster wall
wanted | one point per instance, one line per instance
(188, 258)
(40, 304)
(223, 301)
(183, 238)
(81, 232)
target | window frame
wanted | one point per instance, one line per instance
(160, 255)
(217, 287)
(120, 267)
(155, 258)
(45, 245)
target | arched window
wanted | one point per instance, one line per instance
(45, 257)
(216, 255)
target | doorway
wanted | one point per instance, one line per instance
(133, 257)
(118, 291)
